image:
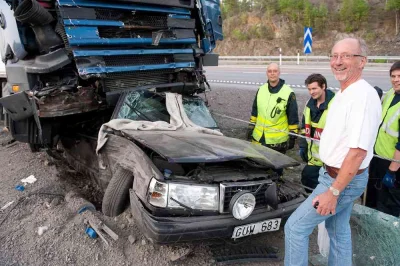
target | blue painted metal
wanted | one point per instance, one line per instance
(89, 22)
(119, 69)
(98, 4)
(211, 14)
(81, 33)
(127, 41)
(178, 16)
(83, 53)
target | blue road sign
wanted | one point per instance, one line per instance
(307, 40)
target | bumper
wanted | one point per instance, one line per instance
(165, 230)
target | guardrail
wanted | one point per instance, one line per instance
(300, 59)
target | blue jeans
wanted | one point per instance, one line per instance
(302, 222)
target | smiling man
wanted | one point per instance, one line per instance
(313, 123)
(346, 149)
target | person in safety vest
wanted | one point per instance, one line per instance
(274, 113)
(383, 190)
(313, 123)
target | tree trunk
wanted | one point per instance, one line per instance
(397, 22)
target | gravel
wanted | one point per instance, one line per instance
(64, 242)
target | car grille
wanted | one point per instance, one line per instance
(228, 190)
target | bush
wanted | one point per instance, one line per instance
(265, 32)
(239, 35)
(379, 61)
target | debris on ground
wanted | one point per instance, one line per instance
(42, 229)
(131, 239)
(8, 204)
(99, 227)
(180, 254)
(20, 188)
(29, 180)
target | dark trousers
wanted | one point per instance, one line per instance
(309, 177)
(380, 197)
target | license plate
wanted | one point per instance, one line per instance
(256, 228)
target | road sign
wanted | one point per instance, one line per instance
(307, 40)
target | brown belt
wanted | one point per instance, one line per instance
(333, 171)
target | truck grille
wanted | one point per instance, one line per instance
(112, 32)
(128, 80)
(228, 190)
(134, 60)
(131, 19)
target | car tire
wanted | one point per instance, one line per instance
(116, 196)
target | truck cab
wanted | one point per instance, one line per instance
(69, 60)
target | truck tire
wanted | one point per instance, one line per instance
(116, 197)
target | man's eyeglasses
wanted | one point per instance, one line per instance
(343, 56)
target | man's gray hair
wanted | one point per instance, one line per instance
(361, 42)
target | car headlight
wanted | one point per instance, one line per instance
(194, 196)
(158, 193)
(172, 195)
(242, 205)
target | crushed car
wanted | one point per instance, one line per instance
(186, 183)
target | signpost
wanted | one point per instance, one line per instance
(307, 44)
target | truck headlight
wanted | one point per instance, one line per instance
(158, 193)
(194, 196)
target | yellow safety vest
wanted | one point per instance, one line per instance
(271, 114)
(389, 130)
(313, 146)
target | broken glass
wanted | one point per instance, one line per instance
(375, 237)
(150, 106)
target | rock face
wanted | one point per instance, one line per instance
(262, 30)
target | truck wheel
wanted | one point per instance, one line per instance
(116, 197)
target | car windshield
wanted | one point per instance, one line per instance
(150, 106)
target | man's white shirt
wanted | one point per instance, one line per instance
(352, 122)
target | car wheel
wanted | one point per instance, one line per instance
(116, 197)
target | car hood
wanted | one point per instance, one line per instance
(193, 147)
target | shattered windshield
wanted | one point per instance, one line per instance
(150, 106)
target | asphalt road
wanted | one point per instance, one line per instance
(293, 75)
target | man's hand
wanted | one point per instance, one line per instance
(250, 129)
(327, 203)
(303, 154)
(389, 179)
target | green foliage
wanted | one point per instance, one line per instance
(393, 5)
(239, 35)
(353, 13)
(379, 61)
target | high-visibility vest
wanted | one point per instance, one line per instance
(313, 145)
(271, 115)
(388, 133)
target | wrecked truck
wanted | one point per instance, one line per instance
(114, 88)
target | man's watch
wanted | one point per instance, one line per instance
(335, 191)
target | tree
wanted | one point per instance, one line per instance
(230, 7)
(395, 6)
(353, 13)
(308, 16)
(321, 18)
